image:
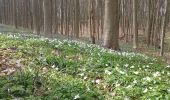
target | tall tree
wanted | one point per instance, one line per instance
(149, 23)
(77, 18)
(35, 14)
(134, 25)
(163, 27)
(47, 4)
(111, 25)
(15, 13)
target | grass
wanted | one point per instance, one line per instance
(41, 68)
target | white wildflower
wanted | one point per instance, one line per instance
(168, 73)
(151, 88)
(121, 72)
(85, 78)
(126, 65)
(156, 74)
(135, 81)
(108, 72)
(132, 67)
(117, 85)
(98, 81)
(146, 90)
(129, 86)
(151, 63)
(168, 66)
(168, 90)
(56, 68)
(147, 66)
(53, 66)
(92, 81)
(136, 72)
(81, 74)
(126, 98)
(147, 79)
(76, 97)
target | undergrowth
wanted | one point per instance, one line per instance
(53, 69)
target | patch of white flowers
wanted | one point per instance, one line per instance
(84, 45)
(132, 66)
(145, 90)
(97, 81)
(147, 79)
(168, 66)
(129, 86)
(168, 73)
(108, 72)
(126, 98)
(117, 84)
(120, 71)
(76, 97)
(81, 74)
(53, 66)
(126, 65)
(85, 77)
(156, 74)
(136, 72)
(135, 82)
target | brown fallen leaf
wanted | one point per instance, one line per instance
(2, 74)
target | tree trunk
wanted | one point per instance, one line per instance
(111, 24)
(36, 28)
(47, 17)
(77, 12)
(134, 26)
(15, 22)
(163, 28)
(149, 24)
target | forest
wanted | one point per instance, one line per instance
(84, 50)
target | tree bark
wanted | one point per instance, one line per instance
(36, 28)
(77, 12)
(111, 25)
(47, 17)
(163, 28)
(134, 25)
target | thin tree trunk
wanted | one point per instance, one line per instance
(163, 28)
(47, 17)
(134, 26)
(77, 12)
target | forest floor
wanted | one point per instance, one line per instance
(127, 47)
(41, 68)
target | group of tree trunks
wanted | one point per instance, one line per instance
(105, 20)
